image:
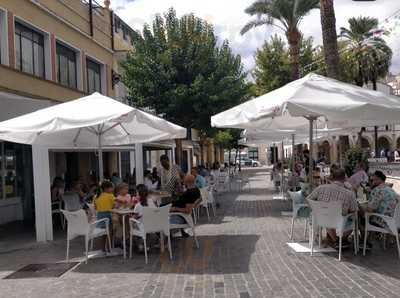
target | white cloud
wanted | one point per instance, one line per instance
(228, 18)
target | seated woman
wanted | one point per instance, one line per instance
(149, 182)
(186, 202)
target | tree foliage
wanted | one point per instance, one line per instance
(285, 15)
(353, 156)
(370, 54)
(273, 69)
(179, 70)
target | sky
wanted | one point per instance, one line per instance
(228, 17)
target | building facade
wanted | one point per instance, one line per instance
(53, 51)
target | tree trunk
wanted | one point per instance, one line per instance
(236, 156)
(229, 157)
(329, 37)
(179, 152)
(294, 37)
(374, 84)
(359, 79)
(201, 153)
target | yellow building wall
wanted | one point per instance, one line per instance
(29, 85)
(65, 26)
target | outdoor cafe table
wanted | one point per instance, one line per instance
(158, 198)
(123, 213)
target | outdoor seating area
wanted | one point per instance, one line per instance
(197, 149)
(134, 221)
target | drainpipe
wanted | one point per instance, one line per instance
(91, 17)
(112, 29)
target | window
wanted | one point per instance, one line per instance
(253, 153)
(29, 48)
(3, 38)
(66, 66)
(93, 76)
(8, 166)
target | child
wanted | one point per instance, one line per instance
(104, 203)
(143, 201)
(123, 199)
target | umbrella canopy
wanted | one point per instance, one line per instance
(311, 99)
(78, 123)
(93, 121)
(314, 96)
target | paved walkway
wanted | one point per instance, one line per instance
(243, 253)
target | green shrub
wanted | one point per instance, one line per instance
(354, 155)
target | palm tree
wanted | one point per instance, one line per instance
(285, 15)
(329, 38)
(372, 54)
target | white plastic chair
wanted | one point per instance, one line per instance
(188, 225)
(392, 226)
(305, 187)
(78, 225)
(56, 207)
(223, 182)
(298, 203)
(329, 215)
(211, 199)
(71, 201)
(204, 201)
(154, 220)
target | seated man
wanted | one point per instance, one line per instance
(336, 191)
(383, 199)
(199, 180)
(185, 202)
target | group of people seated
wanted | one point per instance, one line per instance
(381, 198)
(183, 191)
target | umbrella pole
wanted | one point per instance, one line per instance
(100, 152)
(293, 157)
(310, 161)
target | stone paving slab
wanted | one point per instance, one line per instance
(243, 253)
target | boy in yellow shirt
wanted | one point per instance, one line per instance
(104, 203)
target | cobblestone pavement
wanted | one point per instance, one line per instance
(243, 253)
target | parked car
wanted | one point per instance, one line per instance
(248, 163)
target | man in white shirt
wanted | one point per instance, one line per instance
(336, 191)
(170, 175)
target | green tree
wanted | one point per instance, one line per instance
(179, 71)
(273, 69)
(223, 138)
(372, 55)
(285, 15)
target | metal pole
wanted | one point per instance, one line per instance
(376, 142)
(311, 164)
(282, 169)
(3, 169)
(293, 157)
(100, 152)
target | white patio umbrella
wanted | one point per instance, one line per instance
(93, 121)
(312, 98)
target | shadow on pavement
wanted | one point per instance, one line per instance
(220, 254)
